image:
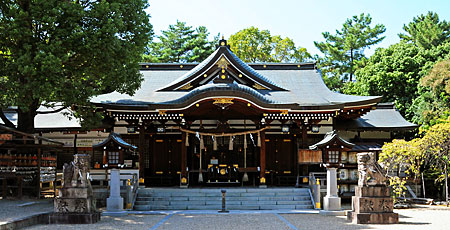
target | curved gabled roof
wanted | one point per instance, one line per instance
(115, 137)
(242, 69)
(330, 138)
(233, 89)
(295, 86)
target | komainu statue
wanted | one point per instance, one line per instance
(76, 172)
(75, 203)
(369, 168)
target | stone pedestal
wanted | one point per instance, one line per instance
(372, 205)
(75, 203)
(331, 202)
(114, 204)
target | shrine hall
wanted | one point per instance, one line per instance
(223, 121)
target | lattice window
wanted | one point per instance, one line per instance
(113, 158)
(333, 156)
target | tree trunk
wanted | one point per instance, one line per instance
(351, 64)
(25, 120)
(423, 185)
(446, 184)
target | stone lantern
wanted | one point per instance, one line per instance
(332, 146)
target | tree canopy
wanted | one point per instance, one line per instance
(181, 43)
(427, 31)
(344, 51)
(393, 73)
(64, 52)
(255, 45)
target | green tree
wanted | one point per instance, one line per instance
(433, 103)
(427, 31)
(435, 144)
(255, 45)
(401, 155)
(181, 43)
(393, 73)
(59, 53)
(344, 51)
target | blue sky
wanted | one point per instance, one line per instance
(302, 21)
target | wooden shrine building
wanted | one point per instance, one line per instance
(225, 121)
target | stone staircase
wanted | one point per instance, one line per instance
(211, 199)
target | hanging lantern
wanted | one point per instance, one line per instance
(245, 141)
(230, 144)
(214, 143)
(258, 143)
(202, 143)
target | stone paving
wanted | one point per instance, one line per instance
(409, 219)
(15, 209)
(427, 217)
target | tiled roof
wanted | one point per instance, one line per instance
(115, 137)
(385, 117)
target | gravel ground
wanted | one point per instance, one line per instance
(224, 221)
(410, 219)
(430, 218)
(129, 222)
(11, 209)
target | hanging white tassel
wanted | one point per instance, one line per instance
(230, 145)
(215, 143)
(258, 143)
(202, 143)
(245, 141)
(187, 139)
(245, 177)
(200, 177)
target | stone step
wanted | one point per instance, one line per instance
(254, 198)
(200, 192)
(217, 202)
(211, 199)
(218, 207)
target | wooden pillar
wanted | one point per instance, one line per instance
(141, 150)
(38, 173)
(262, 159)
(304, 137)
(19, 187)
(183, 178)
(4, 187)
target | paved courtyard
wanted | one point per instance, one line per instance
(419, 218)
(426, 217)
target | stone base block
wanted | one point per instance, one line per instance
(114, 204)
(74, 218)
(373, 191)
(74, 205)
(331, 203)
(332, 213)
(372, 218)
(372, 204)
(118, 213)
